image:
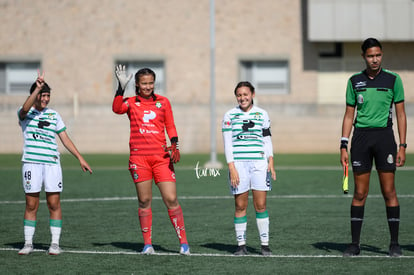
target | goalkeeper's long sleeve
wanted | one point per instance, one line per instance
(228, 146)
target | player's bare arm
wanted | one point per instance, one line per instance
(346, 132)
(271, 168)
(234, 175)
(40, 82)
(67, 142)
(402, 132)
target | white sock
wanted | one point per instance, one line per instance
(262, 220)
(240, 225)
(29, 229)
(55, 230)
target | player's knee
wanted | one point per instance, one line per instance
(31, 208)
(171, 203)
(360, 196)
(390, 196)
(260, 208)
(53, 207)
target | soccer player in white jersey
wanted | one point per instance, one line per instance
(41, 162)
(249, 154)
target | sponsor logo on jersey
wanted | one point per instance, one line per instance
(246, 137)
(360, 84)
(146, 131)
(148, 115)
(247, 124)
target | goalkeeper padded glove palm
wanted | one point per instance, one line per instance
(174, 152)
(122, 77)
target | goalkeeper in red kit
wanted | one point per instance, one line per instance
(150, 115)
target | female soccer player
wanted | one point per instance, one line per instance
(249, 154)
(41, 162)
(150, 116)
(372, 92)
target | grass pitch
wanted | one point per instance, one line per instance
(309, 222)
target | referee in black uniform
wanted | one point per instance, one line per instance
(372, 93)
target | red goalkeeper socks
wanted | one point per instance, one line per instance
(145, 219)
(177, 220)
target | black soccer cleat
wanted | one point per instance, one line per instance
(266, 250)
(241, 251)
(352, 250)
(395, 250)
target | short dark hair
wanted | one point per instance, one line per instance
(45, 89)
(370, 43)
(244, 84)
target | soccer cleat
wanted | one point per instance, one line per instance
(26, 250)
(184, 249)
(395, 250)
(241, 251)
(54, 249)
(352, 250)
(148, 250)
(266, 250)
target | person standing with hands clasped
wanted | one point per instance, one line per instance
(372, 93)
(249, 155)
(41, 162)
(150, 116)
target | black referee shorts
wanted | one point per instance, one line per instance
(370, 144)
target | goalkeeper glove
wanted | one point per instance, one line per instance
(122, 77)
(174, 151)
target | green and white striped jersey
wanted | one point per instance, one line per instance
(247, 141)
(39, 133)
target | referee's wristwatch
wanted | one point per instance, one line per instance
(403, 145)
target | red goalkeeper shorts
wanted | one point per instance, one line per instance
(157, 167)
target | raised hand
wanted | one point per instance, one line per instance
(121, 75)
(40, 81)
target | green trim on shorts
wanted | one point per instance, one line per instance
(262, 215)
(240, 219)
(55, 223)
(29, 223)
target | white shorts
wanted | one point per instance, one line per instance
(37, 174)
(253, 175)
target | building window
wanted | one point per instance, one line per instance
(17, 77)
(268, 77)
(133, 66)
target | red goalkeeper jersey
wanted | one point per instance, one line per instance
(149, 119)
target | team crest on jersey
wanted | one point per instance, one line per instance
(257, 115)
(138, 103)
(360, 99)
(158, 104)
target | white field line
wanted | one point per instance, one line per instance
(209, 198)
(178, 168)
(205, 254)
